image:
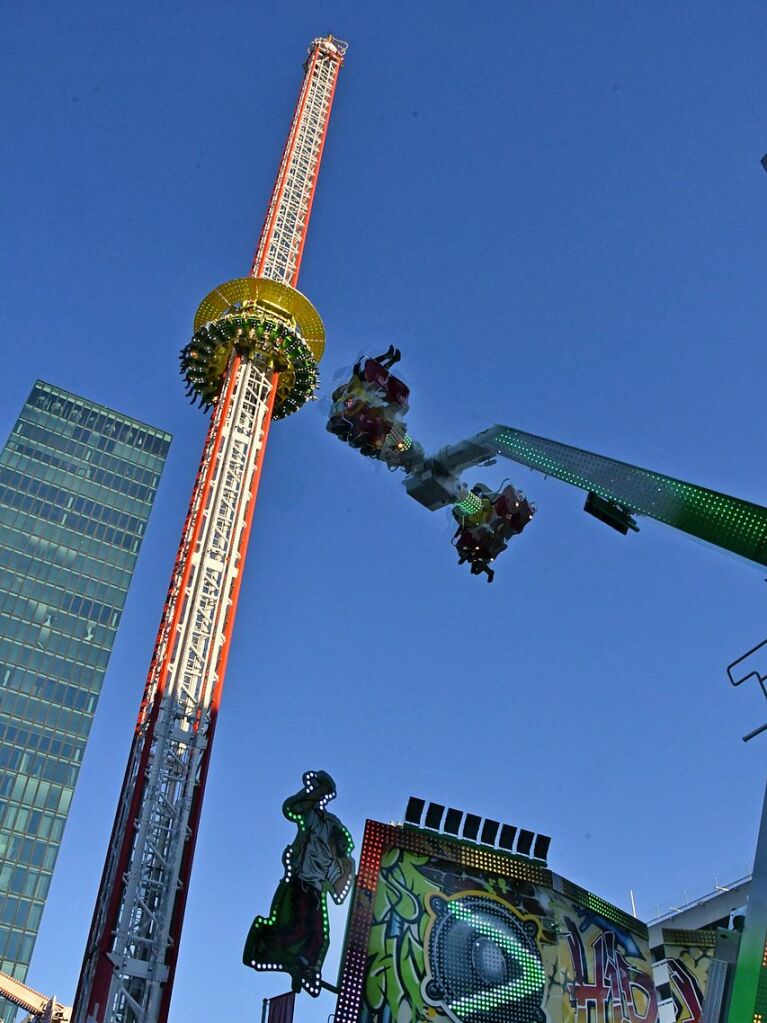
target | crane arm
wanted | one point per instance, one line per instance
(616, 487)
(40, 1007)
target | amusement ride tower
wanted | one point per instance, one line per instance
(253, 358)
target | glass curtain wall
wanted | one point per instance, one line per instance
(77, 482)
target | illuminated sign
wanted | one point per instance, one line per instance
(445, 931)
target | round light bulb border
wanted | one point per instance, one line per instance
(259, 338)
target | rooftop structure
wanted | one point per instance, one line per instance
(694, 950)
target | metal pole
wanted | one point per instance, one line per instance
(749, 994)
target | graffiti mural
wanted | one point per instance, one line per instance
(688, 966)
(448, 940)
(607, 986)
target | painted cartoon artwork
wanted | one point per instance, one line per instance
(688, 968)
(449, 942)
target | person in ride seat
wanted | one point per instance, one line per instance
(514, 509)
(486, 520)
(385, 362)
(475, 539)
(390, 388)
(479, 546)
(348, 401)
(366, 408)
(370, 430)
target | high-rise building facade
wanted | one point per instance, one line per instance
(77, 482)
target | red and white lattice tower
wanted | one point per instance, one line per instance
(253, 358)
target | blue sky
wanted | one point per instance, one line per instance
(557, 212)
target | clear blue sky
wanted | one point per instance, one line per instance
(557, 212)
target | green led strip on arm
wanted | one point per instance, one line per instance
(727, 522)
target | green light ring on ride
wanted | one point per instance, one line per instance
(469, 504)
(510, 997)
(531, 981)
(205, 359)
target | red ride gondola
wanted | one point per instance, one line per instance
(367, 411)
(486, 521)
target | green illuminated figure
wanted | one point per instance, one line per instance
(295, 936)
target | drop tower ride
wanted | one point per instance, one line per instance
(253, 358)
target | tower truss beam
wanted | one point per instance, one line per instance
(729, 523)
(281, 245)
(130, 960)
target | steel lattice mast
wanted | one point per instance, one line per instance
(253, 358)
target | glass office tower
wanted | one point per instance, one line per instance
(77, 483)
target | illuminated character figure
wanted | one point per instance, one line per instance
(368, 411)
(295, 936)
(486, 521)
